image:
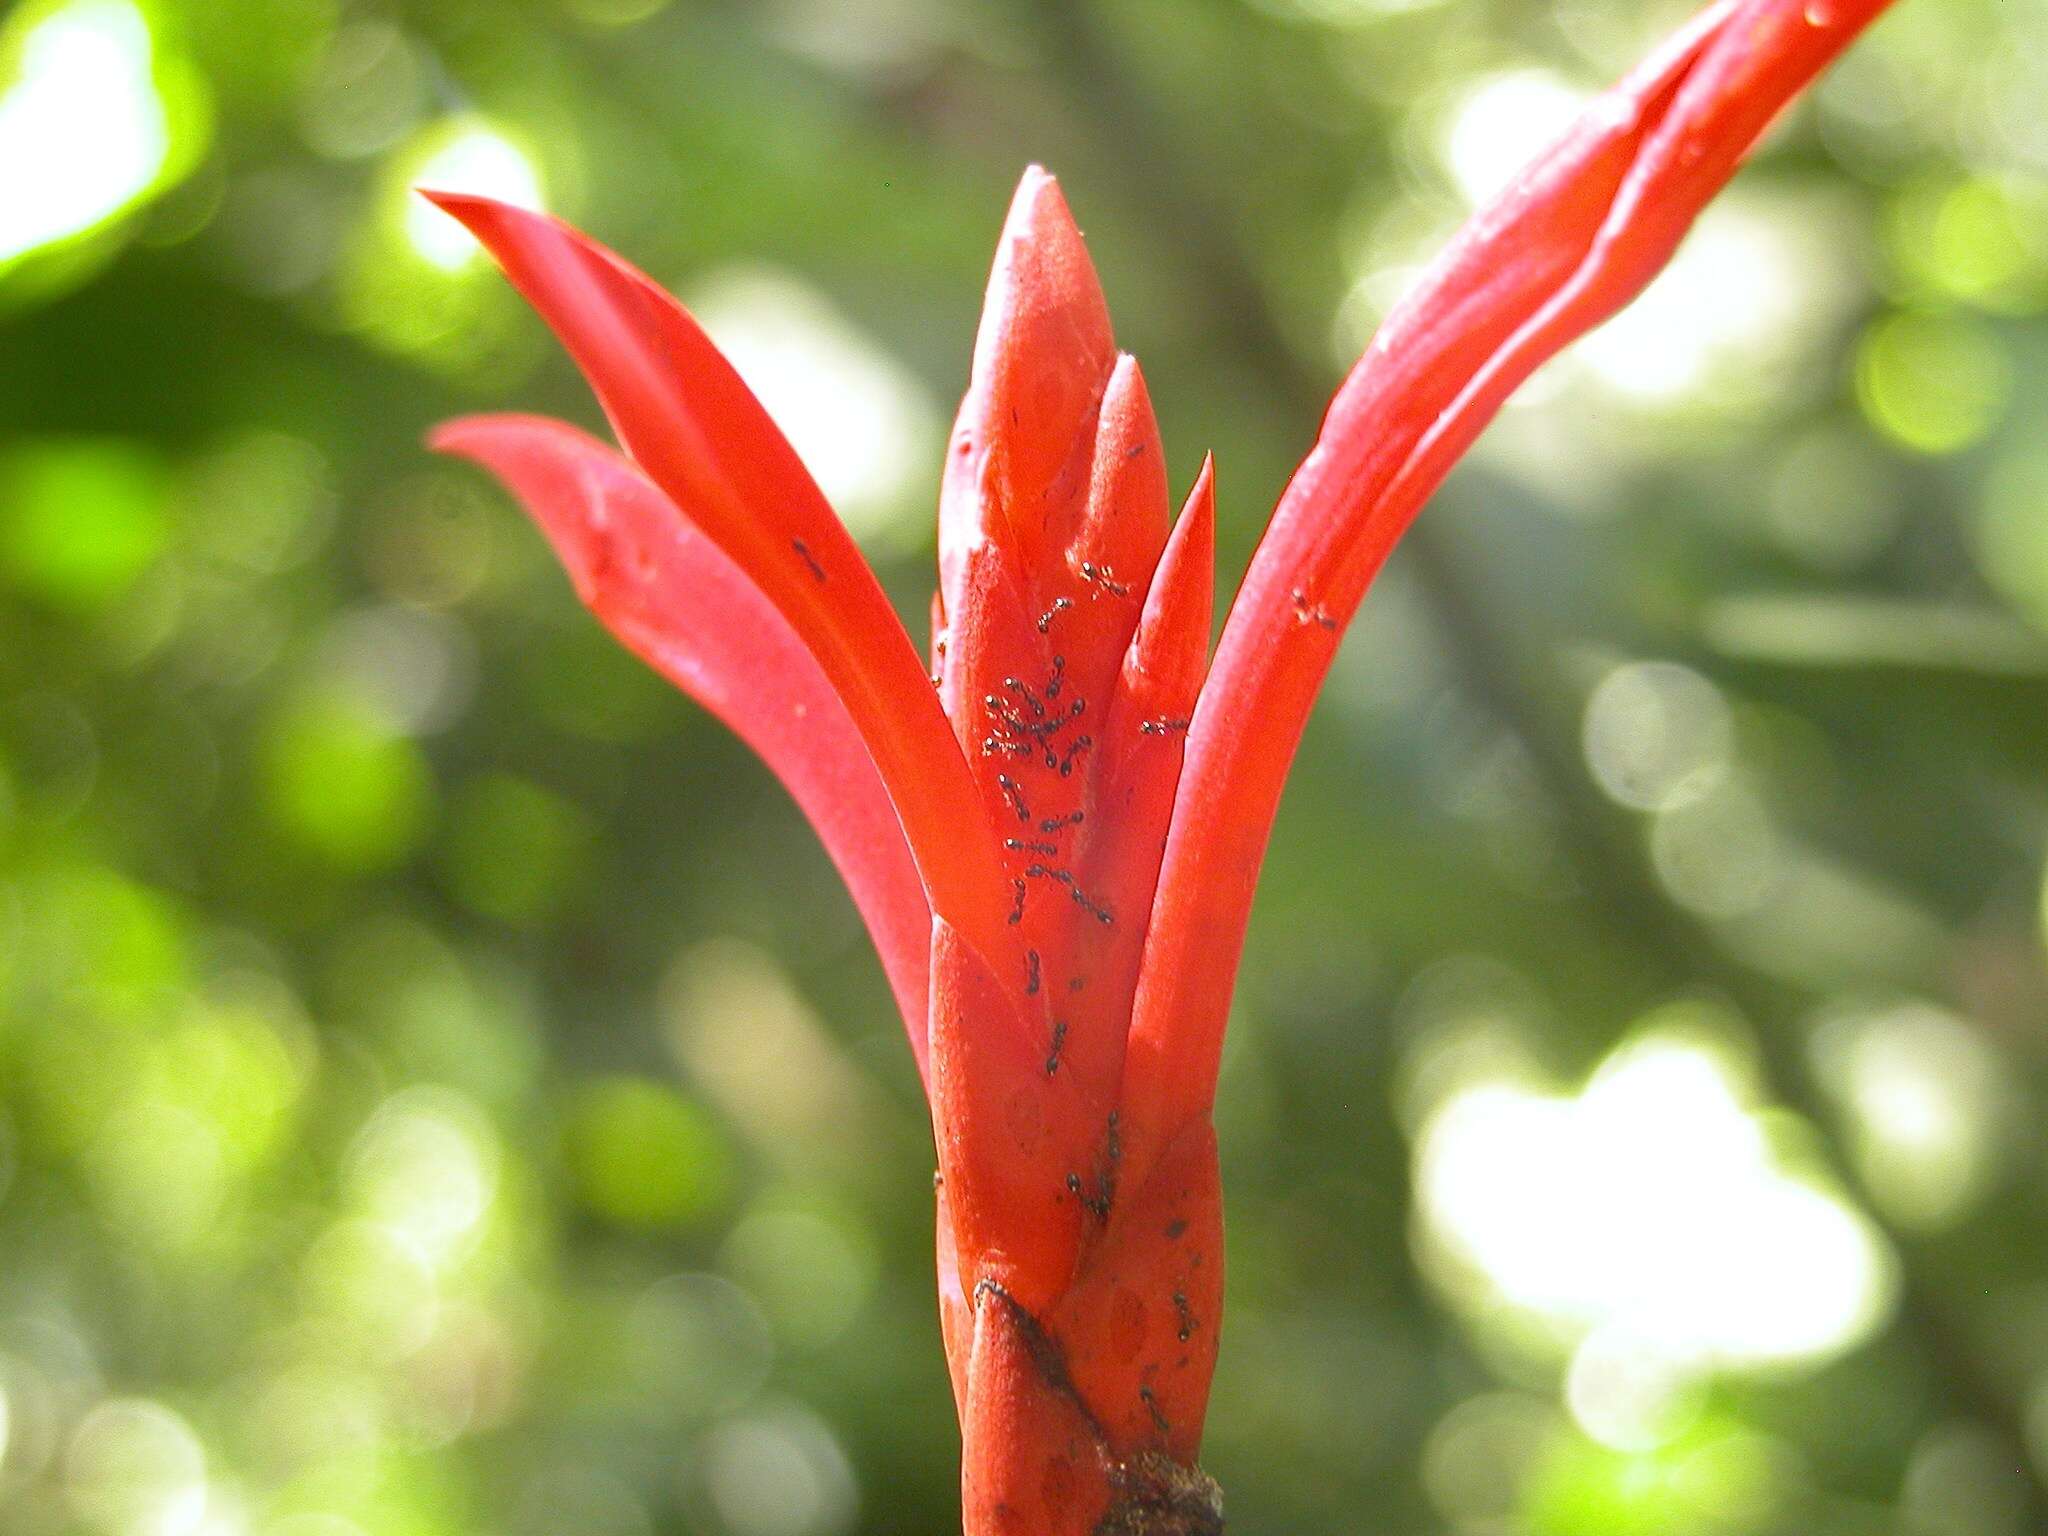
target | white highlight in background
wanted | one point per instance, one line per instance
(471, 157)
(862, 423)
(1740, 293)
(1652, 1203)
(135, 1468)
(1500, 124)
(1733, 292)
(82, 130)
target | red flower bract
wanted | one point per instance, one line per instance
(1054, 835)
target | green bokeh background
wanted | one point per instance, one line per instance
(442, 1087)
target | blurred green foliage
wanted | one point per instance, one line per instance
(442, 1089)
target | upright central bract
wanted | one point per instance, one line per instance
(1070, 642)
(1055, 832)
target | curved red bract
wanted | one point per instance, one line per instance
(683, 607)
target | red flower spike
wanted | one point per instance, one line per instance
(1077, 822)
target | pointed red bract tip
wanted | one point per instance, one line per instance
(1122, 524)
(1045, 302)
(467, 208)
(1171, 647)
(1041, 358)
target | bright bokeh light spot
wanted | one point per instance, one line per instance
(373, 1287)
(1657, 735)
(1478, 1457)
(1731, 297)
(1627, 1391)
(466, 156)
(752, 1043)
(426, 1169)
(1721, 855)
(860, 421)
(1735, 301)
(225, 1512)
(1498, 125)
(1651, 1207)
(416, 669)
(1931, 384)
(780, 1473)
(134, 1468)
(83, 132)
(1925, 1097)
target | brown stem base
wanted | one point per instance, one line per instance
(1157, 1496)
